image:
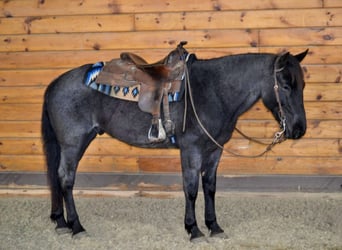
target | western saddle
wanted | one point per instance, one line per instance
(156, 80)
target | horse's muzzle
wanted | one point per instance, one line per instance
(296, 132)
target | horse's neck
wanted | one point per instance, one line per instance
(236, 80)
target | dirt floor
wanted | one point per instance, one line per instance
(252, 221)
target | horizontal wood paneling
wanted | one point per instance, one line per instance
(40, 40)
(332, 3)
(127, 40)
(74, 7)
(301, 36)
(282, 18)
(318, 56)
(165, 39)
(87, 164)
(264, 165)
(108, 146)
(228, 165)
(39, 24)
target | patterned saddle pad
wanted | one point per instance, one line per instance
(125, 93)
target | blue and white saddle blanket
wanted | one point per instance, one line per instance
(126, 93)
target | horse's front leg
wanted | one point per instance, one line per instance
(208, 172)
(191, 165)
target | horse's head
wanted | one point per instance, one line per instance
(285, 98)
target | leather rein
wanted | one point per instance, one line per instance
(278, 136)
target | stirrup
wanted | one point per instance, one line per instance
(156, 132)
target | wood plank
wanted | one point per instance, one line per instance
(299, 148)
(22, 94)
(52, 60)
(110, 146)
(114, 148)
(276, 165)
(66, 24)
(160, 165)
(316, 129)
(73, 7)
(323, 73)
(247, 166)
(64, 60)
(31, 77)
(332, 3)
(254, 19)
(23, 163)
(20, 112)
(109, 164)
(323, 92)
(317, 54)
(227, 165)
(34, 163)
(21, 146)
(128, 40)
(20, 129)
(70, 59)
(314, 110)
(301, 37)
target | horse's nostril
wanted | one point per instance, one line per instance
(298, 132)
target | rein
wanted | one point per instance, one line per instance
(278, 136)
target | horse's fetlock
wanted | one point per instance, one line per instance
(54, 217)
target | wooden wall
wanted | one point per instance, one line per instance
(40, 39)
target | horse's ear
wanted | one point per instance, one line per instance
(282, 60)
(302, 55)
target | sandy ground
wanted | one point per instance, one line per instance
(252, 221)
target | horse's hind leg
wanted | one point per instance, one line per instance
(66, 174)
(70, 156)
(57, 211)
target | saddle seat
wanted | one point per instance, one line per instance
(155, 80)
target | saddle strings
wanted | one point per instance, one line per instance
(278, 136)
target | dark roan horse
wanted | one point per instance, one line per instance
(221, 90)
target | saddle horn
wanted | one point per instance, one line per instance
(181, 44)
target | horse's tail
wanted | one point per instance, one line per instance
(52, 149)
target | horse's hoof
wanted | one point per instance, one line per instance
(63, 230)
(219, 235)
(80, 235)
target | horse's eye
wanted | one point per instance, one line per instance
(286, 87)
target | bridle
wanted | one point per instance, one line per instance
(278, 137)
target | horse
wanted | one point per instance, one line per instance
(217, 92)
